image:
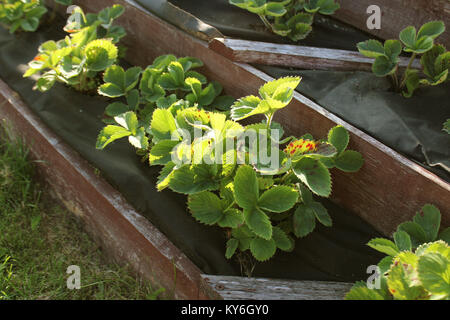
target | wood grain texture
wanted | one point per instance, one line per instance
(396, 15)
(387, 191)
(125, 234)
(302, 57)
(239, 288)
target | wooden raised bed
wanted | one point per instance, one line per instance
(387, 191)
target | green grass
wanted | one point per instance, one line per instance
(39, 240)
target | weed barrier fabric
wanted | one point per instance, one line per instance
(330, 254)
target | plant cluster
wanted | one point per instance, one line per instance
(288, 18)
(258, 205)
(418, 263)
(435, 59)
(77, 60)
(166, 82)
(21, 14)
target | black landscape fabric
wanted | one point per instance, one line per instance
(330, 254)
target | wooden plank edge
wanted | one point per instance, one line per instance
(124, 234)
(283, 55)
(240, 288)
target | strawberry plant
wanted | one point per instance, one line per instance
(447, 126)
(435, 59)
(417, 265)
(260, 204)
(21, 15)
(77, 60)
(288, 18)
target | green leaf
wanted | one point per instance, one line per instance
(321, 213)
(190, 63)
(385, 264)
(30, 24)
(244, 107)
(431, 29)
(275, 9)
(392, 49)
(400, 284)
(232, 246)
(383, 66)
(232, 218)
(47, 81)
(339, 138)
(139, 140)
(246, 189)
(412, 82)
(110, 90)
(129, 121)
(100, 54)
(445, 235)
(263, 249)
(434, 273)
(176, 71)
(132, 78)
(244, 235)
(258, 222)
(436, 63)
(109, 134)
(315, 175)
(304, 221)
(360, 291)
(328, 7)
(64, 2)
(115, 75)
(429, 218)
(116, 108)
(415, 231)
(278, 199)
(371, 48)
(281, 239)
(161, 153)
(384, 245)
(349, 161)
(300, 31)
(274, 88)
(163, 124)
(402, 240)
(306, 195)
(408, 36)
(205, 207)
(422, 45)
(193, 179)
(165, 176)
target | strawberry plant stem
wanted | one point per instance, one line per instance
(265, 21)
(407, 68)
(395, 79)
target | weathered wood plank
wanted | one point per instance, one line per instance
(295, 56)
(125, 234)
(239, 288)
(387, 191)
(396, 15)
